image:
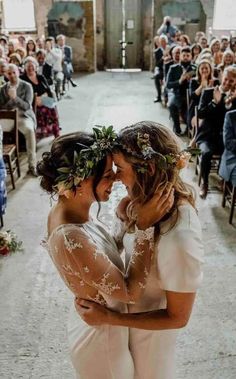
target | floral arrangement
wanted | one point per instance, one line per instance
(86, 160)
(9, 243)
(179, 160)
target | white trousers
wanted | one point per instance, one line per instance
(26, 127)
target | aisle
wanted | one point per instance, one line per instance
(34, 303)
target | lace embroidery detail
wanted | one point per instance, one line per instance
(107, 287)
(68, 269)
(98, 299)
(134, 255)
(97, 253)
(144, 235)
(70, 244)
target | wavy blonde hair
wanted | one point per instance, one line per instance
(163, 141)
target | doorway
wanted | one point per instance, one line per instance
(123, 33)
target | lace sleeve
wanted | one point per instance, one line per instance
(78, 259)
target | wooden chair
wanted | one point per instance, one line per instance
(215, 160)
(11, 144)
(229, 194)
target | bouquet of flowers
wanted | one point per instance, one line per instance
(9, 243)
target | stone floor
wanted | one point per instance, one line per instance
(34, 302)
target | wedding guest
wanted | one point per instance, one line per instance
(46, 112)
(18, 94)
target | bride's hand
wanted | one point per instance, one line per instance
(91, 312)
(156, 208)
(121, 209)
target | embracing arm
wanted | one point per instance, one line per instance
(175, 316)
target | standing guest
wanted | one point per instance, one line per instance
(215, 50)
(19, 94)
(228, 160)
(214, 104)
(158, 72)
(54, 58)
(168, 29)
(178, 79)
(46, 113)
(195, 50)
(31, 48)
(224, 43)
(43, 67)
(66, 60)
(22, 41)
(40, 43)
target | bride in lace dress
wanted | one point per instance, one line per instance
(79, 170)
(148, 158)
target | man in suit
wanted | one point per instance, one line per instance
(228, 161)
(214, 103)
(19, 94)
(158, 73)
(177, 80)
(44, 68)
(67, 59)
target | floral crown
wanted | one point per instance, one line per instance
(166, 161)
(86, 160)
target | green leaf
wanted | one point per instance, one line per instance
(64, 170)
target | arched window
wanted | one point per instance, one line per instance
(18, 15)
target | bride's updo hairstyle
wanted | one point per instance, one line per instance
(161, 140)
(62, 155)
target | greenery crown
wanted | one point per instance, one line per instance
(164, 161)
(86, 160)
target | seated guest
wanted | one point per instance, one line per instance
(30, 48)
(198, 36)
(195, 50)
(172, 58)
(43, 67)
(22, 52)
(54, 58)
(46, 113)
(215, 50)
(2, 53)
(158, 72)
(214, 104)
(15, 58)
(66, 60)
(204, 79)
(3, 72)
(184, 40)
(203, 42)
(19, 94)
(228, 160)
(3, 174)
(224, 43)
(178, 79)
(227, 60)
(11, 48)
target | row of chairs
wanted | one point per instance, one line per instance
(229, 191)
